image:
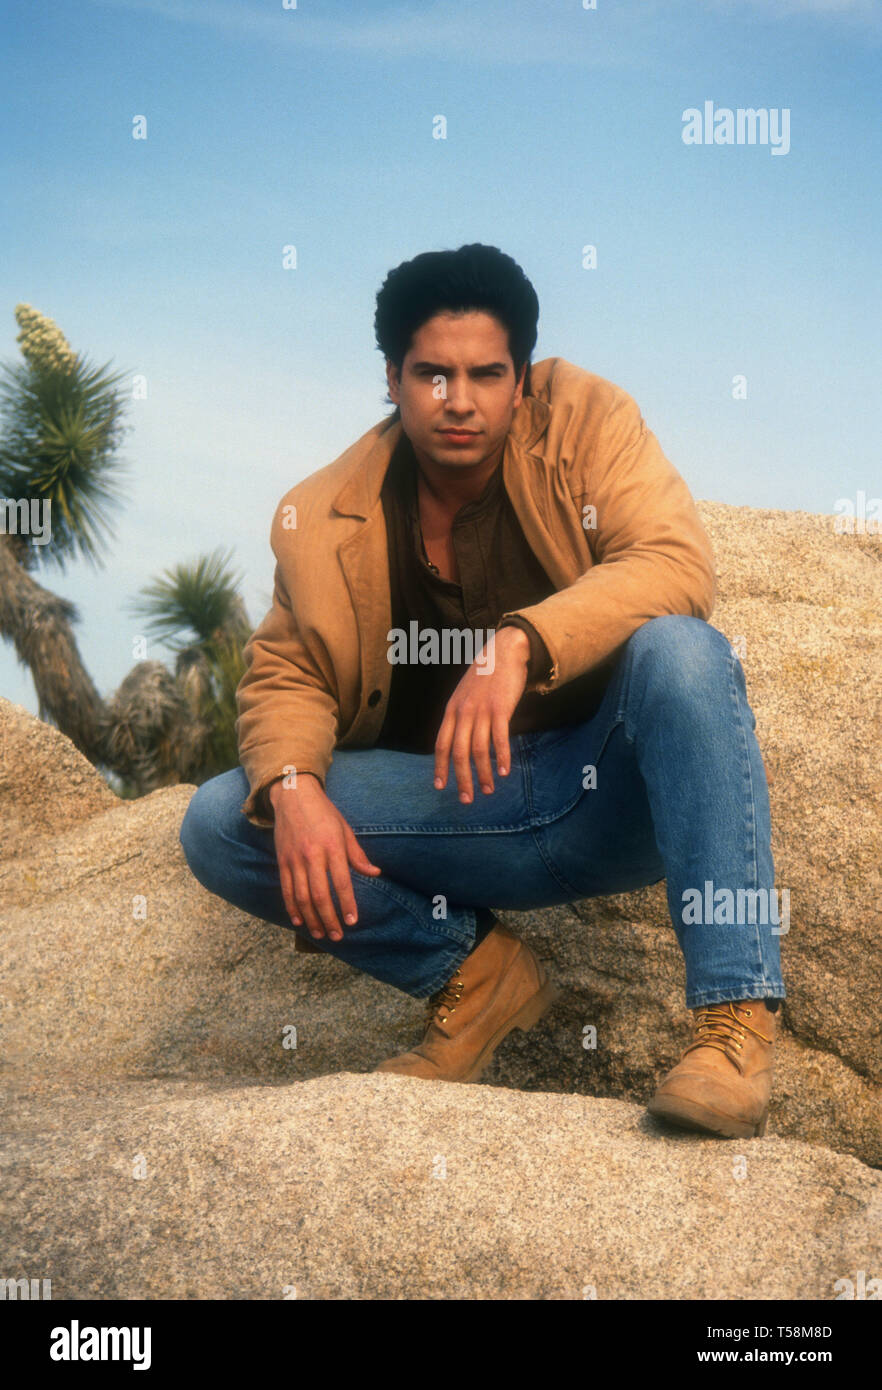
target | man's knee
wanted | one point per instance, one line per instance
(681, 653)
(207, 820)
(194, 826)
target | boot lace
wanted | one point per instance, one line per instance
(447, 997)
(718, 1025)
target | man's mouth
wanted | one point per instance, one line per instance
(457, 436)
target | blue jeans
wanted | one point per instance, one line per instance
(680, 794)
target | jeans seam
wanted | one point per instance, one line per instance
(374, 829)
(539, 824)
(453, 960)
(527, 777)
(748, 779)
(565, 885)
(436, 925)
(760, 989)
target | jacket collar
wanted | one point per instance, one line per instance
(370, 455)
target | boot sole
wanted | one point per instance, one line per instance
(688, 1114)
(527, 1015)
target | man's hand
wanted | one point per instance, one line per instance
(481, 708)
(313, 840)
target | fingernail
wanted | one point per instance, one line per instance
(350, 918)
(464, 796)
(486, 788)
(438, 783)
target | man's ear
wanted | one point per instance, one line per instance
(393, 378)
(519, 388)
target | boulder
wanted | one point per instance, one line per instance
(195, 987)
(386, 1187)
(142, 1014)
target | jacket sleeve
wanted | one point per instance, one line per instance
(539, 665)
(287, 715)
(652, 554)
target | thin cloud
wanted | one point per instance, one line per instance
(488, 33)
(617, 32)
(857, 13)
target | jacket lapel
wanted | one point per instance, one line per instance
(545, 508)
(363, 559)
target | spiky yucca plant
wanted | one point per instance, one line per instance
(62, 425)
(197, 612)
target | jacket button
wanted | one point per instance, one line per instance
(375, 697)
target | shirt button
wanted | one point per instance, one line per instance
(375, 697)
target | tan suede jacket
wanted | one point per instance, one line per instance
(607, 515)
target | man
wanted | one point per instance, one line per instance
(506, 574)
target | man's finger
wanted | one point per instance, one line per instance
(442, 747)
(321, 897)
(462, 747)
(481, 752)
(501, 744)
(339, 871)
(357, 857)
(290, 901)
(304, 901)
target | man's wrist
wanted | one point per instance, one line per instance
(515, 639)
(538, 660)
(274, 790)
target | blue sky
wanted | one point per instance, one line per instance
(313, 127)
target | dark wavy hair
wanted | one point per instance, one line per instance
(474, 277)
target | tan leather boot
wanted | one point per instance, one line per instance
(723, 1081)
(501, 985)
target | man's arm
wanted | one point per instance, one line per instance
(653, 556)
(288, 721)
(287, 714)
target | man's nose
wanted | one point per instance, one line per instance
(459, 398)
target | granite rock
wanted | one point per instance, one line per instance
(142, 1015)
(385, 1187)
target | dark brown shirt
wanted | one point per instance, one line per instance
(498, 574)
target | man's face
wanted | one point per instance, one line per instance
(461, 420)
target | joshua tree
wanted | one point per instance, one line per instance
(63, 423)
(196, 610)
